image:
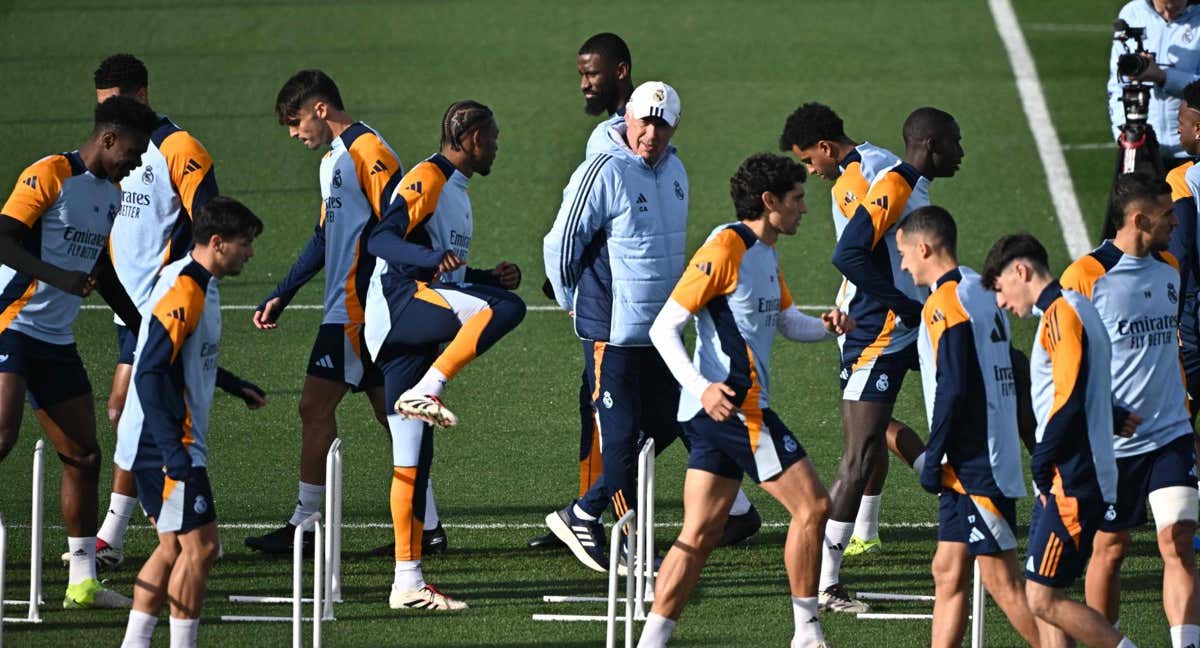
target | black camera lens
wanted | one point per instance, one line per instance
(1132, 64)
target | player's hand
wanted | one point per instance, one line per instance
(837, 322)
(78, 283)
(508, 275)
(264, 319)
(253, 395)
(715, 400)
(449, 263)
(180, 467)
(1128, 426)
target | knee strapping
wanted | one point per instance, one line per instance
(88, 462)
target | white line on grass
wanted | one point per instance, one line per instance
(1069, 27)
(537, 308)
(499, 526)
(1093, 146)
(1033, 100)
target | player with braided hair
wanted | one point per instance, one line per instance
(358, 174)
(423, 295)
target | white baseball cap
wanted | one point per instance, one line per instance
(654, 99)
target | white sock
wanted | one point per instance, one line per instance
(431, 517)
(808, 625)
(583, 515)
(116, 521)
(139, 630)
(741, 504)
(432, 383)
(866, 525)
(919, 463)
(183, 632)
(309, 501)
(656, 632)
(1126, 643)
(837, 536)
(1185, 636)
(408, 576)
(83, 559)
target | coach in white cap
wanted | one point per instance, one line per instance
(615, 252)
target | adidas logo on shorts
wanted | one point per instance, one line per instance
(325, 362)
(976, 535)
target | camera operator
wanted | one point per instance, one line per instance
(1164, 59)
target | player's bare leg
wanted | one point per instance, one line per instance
(319, 399)
(110, 538)
(1103, 584)
(864, 426)
(189, 576)
(951, 582)
(150, 586)
(1002, 578)
(1078, 621)
(12, 407)
(1179, 574)
(706, 501)
(71, 428)
(904, 443)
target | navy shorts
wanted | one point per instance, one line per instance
(126, 345)
(987, 525)
(340, 355)
(755, 443)
(1060, 538)
(1173, 464)
(53, 372)
(176, 507)
(877, 380)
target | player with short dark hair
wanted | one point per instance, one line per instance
(887, 307)
(1073, 465)
(163, 438)
(605, 79)
(973, 458)
(422, 295)
(734, 288)
(153, 229)
(304, 89)
(1134, 283)
(815, 134)
(53, 252)
(358, 176)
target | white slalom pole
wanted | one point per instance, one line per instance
(978, 603)
(36, 529)
(313, 521)
(635, 557)
(3, 564)
(614, 549)
(333, 523)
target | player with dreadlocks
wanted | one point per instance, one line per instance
(422, 295)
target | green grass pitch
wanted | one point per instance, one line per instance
(215, 68)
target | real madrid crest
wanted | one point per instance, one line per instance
(337, 178)
(148, 175)
(678, 190)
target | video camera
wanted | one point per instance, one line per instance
(1131, 63)
(1134, 96)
